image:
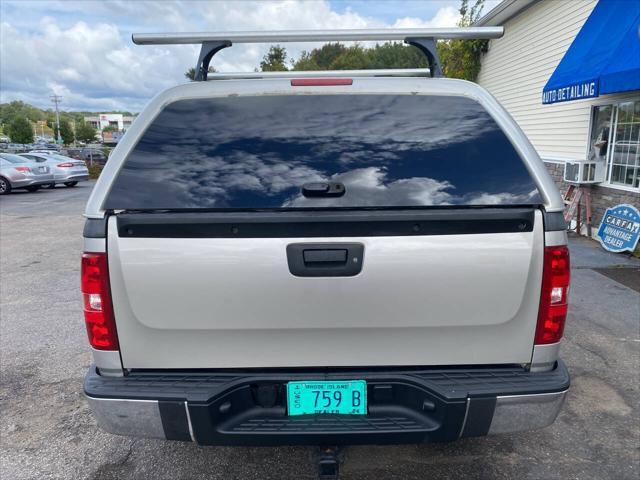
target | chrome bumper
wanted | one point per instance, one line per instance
(517, 413)
(142, 418)
(215, 408)
(136, 418)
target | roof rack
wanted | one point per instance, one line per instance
(423, 38)
(391, 72)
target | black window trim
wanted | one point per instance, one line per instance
(353, 223)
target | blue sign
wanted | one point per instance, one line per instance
(620, 228)
(576, 91)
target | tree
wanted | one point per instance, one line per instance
(395, 55)
(353, 58)
(85, 133)
(20, 130)
(461, 58)
(66, 132)
(336, 56)
(110, 128)
(274, 60)
(319, 58)
(11, 110)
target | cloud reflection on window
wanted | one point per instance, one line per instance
(257, 152)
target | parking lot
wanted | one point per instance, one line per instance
(46, 430)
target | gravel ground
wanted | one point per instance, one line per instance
(46, 430)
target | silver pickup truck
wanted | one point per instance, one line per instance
(325, 259)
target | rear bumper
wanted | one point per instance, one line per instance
(249, 408)
(76, 177)
(31, 181)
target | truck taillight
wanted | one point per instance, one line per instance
(556, 276)
(98, 310)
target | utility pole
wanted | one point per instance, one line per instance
(56, 99)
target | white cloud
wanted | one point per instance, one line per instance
(83, 50)
(91, 66)
(445, 17)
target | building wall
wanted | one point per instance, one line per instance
(103, 120)
(601, 198)
(515, 69)
(518, 65)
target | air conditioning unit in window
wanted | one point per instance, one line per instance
(584, 172)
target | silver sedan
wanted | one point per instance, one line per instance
(17, 172)
(66, 170)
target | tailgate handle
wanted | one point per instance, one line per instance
(325, 259)
(324, 256)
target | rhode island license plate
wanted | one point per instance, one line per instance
(319, 397)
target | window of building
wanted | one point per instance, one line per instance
(615, 139)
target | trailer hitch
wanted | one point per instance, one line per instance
(328, 463)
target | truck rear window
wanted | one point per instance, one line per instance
(259, 152)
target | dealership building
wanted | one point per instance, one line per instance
(569, 74)
(114, 120)
(117, 123)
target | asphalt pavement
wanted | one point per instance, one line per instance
(46, 430)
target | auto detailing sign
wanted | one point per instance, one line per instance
(576, 91)
(620, 228)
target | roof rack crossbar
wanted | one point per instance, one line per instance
(389, 72)
(422, 38)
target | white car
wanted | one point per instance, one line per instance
(19, 173)
(66, 170)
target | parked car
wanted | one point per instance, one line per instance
(72, 153)
(51, 147)
(325, 260)
(66, 170)
(17, 172)
(16, 147)
(93, 155)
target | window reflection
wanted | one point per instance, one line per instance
(625, 155)
(257, 152)
(615, 138)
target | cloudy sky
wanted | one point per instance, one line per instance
(82, 50)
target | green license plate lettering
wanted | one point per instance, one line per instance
(320, 397)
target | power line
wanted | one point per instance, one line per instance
(56, 99)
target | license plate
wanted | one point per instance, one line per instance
(316, 397)
(42, 169)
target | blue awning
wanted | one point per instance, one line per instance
(603, 58)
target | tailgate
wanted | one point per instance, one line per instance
(430, 292)
(429, 187)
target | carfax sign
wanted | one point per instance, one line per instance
(620, 228)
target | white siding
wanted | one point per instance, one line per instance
(518, 65)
